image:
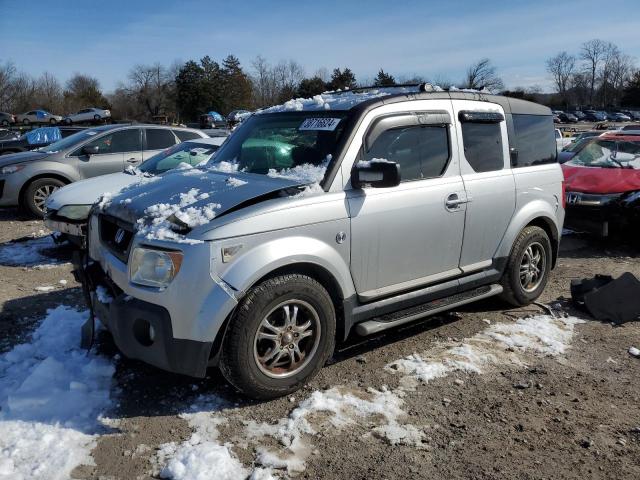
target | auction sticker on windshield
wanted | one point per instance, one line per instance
(321, 123)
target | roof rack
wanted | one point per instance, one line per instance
(421, 87)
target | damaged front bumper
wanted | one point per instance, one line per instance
(175, 328)
(602, 214)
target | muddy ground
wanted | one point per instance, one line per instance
(573, 416)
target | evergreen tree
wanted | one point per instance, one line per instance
(190, 90)
(310, 87)
(631, 93)
(384, 79)
(236, 86)
(342, 80)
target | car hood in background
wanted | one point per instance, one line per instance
(218, 190)
(22, 157)
(87, 192)
(600, 180)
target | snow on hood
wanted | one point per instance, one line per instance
(22, 157)
(600, 180)
(339, 100)
(197, 197)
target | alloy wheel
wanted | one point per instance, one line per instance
(532, 267)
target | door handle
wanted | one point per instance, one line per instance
(132, 160)
(453, 202)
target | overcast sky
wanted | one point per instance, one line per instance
(431, 39)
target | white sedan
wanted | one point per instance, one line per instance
(87, 115)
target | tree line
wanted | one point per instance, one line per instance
(599, 75)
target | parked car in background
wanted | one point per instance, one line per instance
(567, 117)
(67, 208)
(578, 114)
(618, 117)
(634, 127)
(237, 116)
(296, 234)
(594, 116)
(34, 139)
(561, 140)
(88, 115)
(28, 178)
(7, 119)
(602, 184)
(556, 119)
(212, 120)
(37, 117)
(587, 134)
(568, 152)
(6, 134)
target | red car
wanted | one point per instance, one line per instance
(602, 184)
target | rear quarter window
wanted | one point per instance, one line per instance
(535, 140)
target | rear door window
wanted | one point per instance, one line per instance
(483, 146)
(184, 135)
(159, 138)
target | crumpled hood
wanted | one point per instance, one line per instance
(21, 157)
(600, 180)
(87, 192)
(193, 197)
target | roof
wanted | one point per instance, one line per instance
(369, 96)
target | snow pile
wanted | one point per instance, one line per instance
(305, 173)
(51, 395)
(333, 409)
(162, 217)
(224, 167)
(499, 344)
(367, 163)
(201, 456)
(235, 182)
(28, 252)
(338, 100)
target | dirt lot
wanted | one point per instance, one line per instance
(572, 415)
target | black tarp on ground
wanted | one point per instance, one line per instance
(616, 301)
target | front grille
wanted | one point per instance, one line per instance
(116, 235)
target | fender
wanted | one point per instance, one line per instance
(526, 214)
(277, 253)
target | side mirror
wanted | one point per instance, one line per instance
(376, 174)
(90, 150)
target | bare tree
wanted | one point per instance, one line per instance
(482, 74)
(562, 67)
(48, 93)
(153, 87)
(7, 79)
(593, 52)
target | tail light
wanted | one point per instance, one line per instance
(564, 195)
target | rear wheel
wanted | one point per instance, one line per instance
(53, 121)
(25, 121)
(96, 118)
(528, 267)
(5, 123)
(280, 336)
(37, 193)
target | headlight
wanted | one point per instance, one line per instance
(154, 268)
(75, 212)
(13, 168)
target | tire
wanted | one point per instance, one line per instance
(5, 123)
(36, 194)
(96, 118)
(68, 121)
(522, 289)
(242, 350)
(53, 121)
(26, 121)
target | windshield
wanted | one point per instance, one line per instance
(609, 153)
(282, 141)
(68, 142)
(191, 153)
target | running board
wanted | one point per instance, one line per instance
(401, 317)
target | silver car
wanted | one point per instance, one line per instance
(87, 115)
(28, 178)
(67, 209)
(38, 117)
(346, 214)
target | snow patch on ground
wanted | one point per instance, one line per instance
(499, 344)
(28, 252)
(51, 397)
(202, 456)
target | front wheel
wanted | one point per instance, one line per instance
(528, 267)
(26, 121)
(281, 335)
(53, 121)
(37, 193)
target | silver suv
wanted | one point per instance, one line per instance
(346, 214)
(28, 178)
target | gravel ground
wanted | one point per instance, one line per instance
(576, 415)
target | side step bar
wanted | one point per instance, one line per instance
(401, 317)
